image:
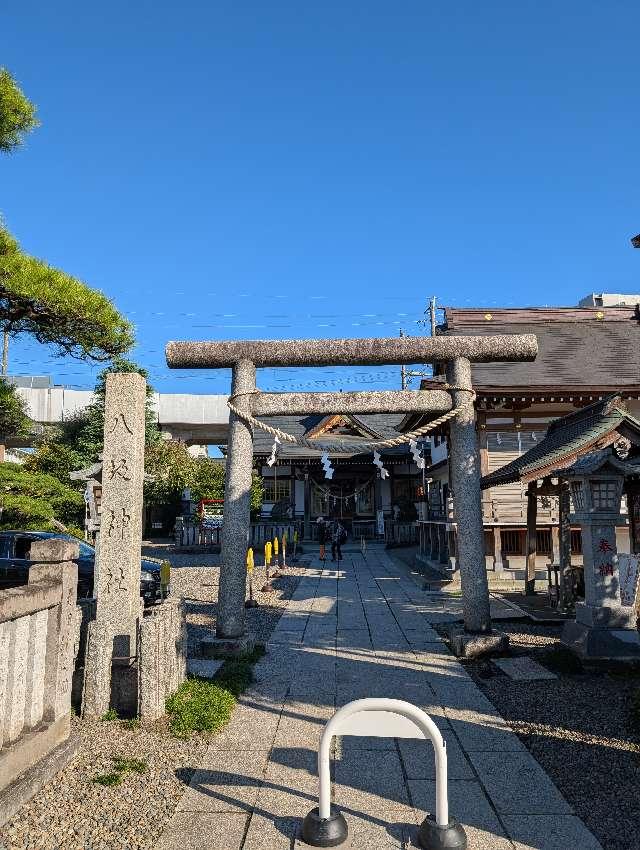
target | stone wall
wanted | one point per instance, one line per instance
(162, 657)
(38, 625)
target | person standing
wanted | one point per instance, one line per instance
(323, 534)
(338, 537)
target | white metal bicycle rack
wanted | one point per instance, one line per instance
(325, 826)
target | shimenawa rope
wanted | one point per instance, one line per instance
(350, 448)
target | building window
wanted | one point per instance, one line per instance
(364, 500)
(576, 541)
(276, 489)
(543, 541)
(512, 542)
(405, 488)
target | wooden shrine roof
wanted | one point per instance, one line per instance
(593, 427)
(580, 348)
(373, 427)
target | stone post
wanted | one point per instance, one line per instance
(54, 561)
(464, 464)
(237, 497)
(113, 634)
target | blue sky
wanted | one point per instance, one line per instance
(286, 169)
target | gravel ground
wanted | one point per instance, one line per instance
(261, 621)
(74, 813)
(580, 729)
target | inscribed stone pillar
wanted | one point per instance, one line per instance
(237, 499)
(117, 577)
(118, 564)
(464, 465)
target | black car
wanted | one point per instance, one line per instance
(15, 563)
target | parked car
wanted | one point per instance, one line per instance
(15, 563)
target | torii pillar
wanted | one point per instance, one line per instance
(457, 352)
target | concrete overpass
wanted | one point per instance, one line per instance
(194, 419)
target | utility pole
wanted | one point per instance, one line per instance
(5, 353)
(432, 314)
(403, 371)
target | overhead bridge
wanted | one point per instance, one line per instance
(194, 419)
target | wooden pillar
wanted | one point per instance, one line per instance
(555, 544)
(633, 508)
(498, 564)
(292, 470)
(307, 505)
(531, 548)
(444, 545)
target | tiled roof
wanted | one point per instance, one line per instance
(567, 438)
(578, 347)
(384, 426)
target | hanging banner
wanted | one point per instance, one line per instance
(628, 566)
(380, 523)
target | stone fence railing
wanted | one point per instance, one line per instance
(38, 625)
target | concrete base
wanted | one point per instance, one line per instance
(215, 647)
(328, 832)
(449, 837)
(22, 789)
(608, 645)
(469, 645)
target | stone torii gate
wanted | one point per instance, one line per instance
(456, 352)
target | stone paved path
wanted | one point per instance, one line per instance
(365, 631)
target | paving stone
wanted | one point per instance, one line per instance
(482, 731)
(551, 832)
(232, 786)
(302, 724)
(364, 631)
(249, 729)
(523, 669)
(422, 637)
(199, 831)
(469, 805)
(517, 785)
(372, 783)
(287, 638)
(418, 756)
(272, 831)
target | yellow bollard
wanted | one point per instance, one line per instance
(268, 587)
(276, 559)
(165, 578)
(250, 602)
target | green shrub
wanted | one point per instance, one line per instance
(199, 706)
(109, 779)
(112, 714)
(33, 500)
(124, 765)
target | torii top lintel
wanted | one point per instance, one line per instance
(352, 352)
